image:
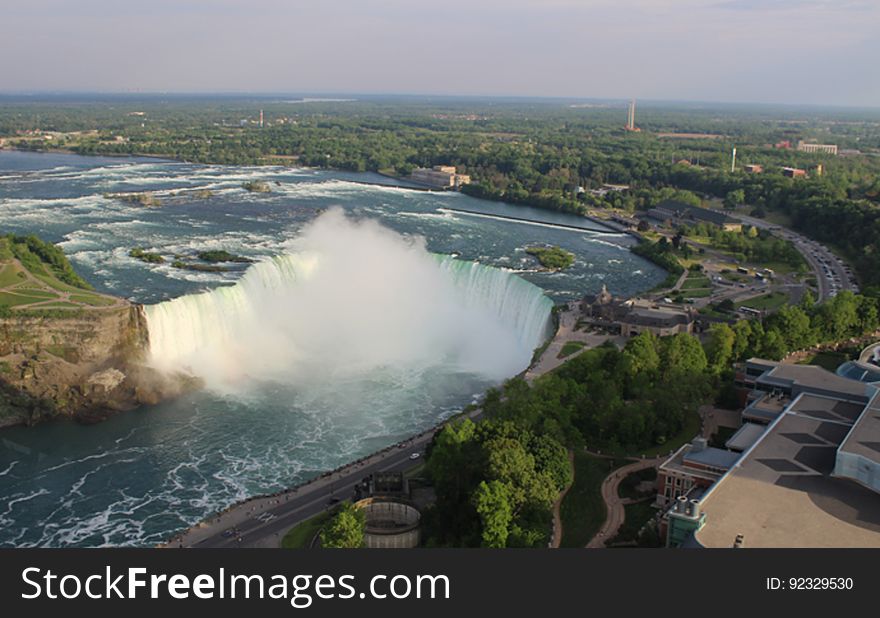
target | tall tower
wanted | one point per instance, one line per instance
(631, 117)
(733, 161)
(261, 119)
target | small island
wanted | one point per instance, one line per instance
(256, 186)
(222, 256)
(149, 257)
(553, 258)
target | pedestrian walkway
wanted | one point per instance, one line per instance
(615, 513)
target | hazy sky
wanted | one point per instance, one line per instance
(795, 51)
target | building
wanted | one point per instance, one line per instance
(390, 523)
(605, 189)
(633, 316)
(793, 172)
(817, 148)
(672, 211)
(753, 168)
(694, 466)
(808, 475)
(440, 176)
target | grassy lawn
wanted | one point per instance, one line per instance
(780, 268)
(10, 274)
(766, 302)
(696, 293)
(695, 282)
(301, 535)
(828, 360)
(570, 348)
(56, 305)
(583, 510)
(25, 298)
(635, 516)
(93, 300)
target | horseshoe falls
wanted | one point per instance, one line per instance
(355, 298)
(353, 328)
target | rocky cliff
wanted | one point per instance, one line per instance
(85, 366)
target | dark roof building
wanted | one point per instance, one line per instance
(631, 316)
(679, 212)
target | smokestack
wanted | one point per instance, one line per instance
(261, 119)
(733, 161)
(681, 505)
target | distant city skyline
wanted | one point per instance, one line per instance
(816, 52)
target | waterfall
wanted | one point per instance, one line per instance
(355, 300)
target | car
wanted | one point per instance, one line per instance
(333, 501)
(415, 455)
(228, 533)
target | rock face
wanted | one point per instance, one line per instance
(86, 367)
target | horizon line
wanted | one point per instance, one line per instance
(425, 95)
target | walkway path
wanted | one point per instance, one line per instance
(549, 359)
(556, 537)
(615, 513)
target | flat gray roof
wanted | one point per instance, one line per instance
(827, 408)
(710, 456)
(745, 436)
(812, 378)
(781, 492)
(864, 438)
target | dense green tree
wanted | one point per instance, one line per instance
(493, 506)
(682, 354)
(720, 347)
(345, 529)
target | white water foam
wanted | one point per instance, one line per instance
(350, 298)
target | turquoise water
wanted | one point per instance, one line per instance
(141, 476)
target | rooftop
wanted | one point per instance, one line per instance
(809, 378)
(686, 211)
(712, 457)
(781, 492)
(745, 437)
(694, 461)
(864, 438)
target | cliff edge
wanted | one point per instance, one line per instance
(65, 350)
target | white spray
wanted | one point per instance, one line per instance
(350, 297)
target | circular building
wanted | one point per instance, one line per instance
(390, 523)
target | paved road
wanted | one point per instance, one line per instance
(282, 511)
(832, 274)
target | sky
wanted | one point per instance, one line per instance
(767, 51)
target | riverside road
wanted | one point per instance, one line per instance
(263, 521)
